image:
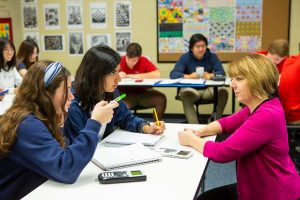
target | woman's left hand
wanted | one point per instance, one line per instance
(156, 128)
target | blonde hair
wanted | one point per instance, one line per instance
(261, 74)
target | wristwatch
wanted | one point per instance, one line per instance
(143, 124)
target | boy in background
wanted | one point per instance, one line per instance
(277, 52)
(134, 65)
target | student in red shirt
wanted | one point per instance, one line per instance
(134, 65)
(277, 52)
(289, 89)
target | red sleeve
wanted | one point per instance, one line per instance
(146, 64)
(280, 66)
(123, 64)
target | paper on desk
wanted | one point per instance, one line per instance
(211, 82)
(6, 103)
(227, 81)
(192, 81)
(182, 81)
(170, 81)
(133, 82)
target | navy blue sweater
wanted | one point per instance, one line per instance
(122, 117)
(37, 156)
(187, 64)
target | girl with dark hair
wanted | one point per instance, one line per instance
(32, 146)
(9, 77)
(27, 55)
(97, 79)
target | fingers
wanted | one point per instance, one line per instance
(189, 129)
(102, 103)
(159, 127)
(113, 104)
(103, 111)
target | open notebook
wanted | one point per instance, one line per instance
(122, 137)
(113, 158)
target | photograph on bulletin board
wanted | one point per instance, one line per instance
(6, 28)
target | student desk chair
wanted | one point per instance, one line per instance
(197, 104)
(139, 107)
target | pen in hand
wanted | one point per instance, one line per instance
(4, 92)
(120, 97)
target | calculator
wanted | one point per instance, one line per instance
(175, 153)
(121, 176)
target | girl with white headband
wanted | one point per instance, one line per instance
(32, 146)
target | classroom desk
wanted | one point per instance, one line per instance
(157, 83)
(172, 178)
(6, 103)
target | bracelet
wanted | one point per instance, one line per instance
(143, 124)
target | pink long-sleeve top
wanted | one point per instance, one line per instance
(259, 143)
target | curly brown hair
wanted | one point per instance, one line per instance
(34, 98)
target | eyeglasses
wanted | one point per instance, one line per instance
(200, 46)
(8, 50)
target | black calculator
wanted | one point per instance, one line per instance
(121, 176)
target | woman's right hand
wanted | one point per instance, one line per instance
(103, 111)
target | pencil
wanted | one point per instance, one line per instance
(155, 114)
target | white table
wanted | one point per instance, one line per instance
(172, 178)
(180, 83)
(6, 103)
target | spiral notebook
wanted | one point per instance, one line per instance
(110, 158)
(122, 137)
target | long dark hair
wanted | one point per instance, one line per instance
(10, 64)
(97, 62)
(25, 51)
(34, 97)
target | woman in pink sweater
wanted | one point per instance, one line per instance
(258, 140)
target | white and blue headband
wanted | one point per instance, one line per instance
(51, 72)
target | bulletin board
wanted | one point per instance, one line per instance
(233, 27)
(6, 29)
